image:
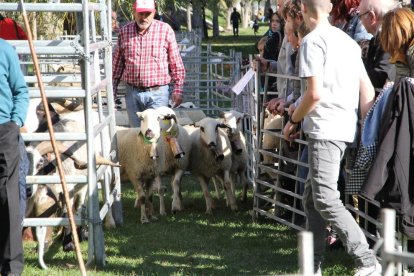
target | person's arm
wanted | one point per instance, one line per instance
(307, 104)
(177, 68)
(18, 87)
(118, 65)
(366, 95)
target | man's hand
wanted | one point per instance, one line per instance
(263, 64)
(289, 131)
(177, 99)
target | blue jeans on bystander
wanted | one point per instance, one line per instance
(138, 100)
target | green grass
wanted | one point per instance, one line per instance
(244, 43)
(190, 243)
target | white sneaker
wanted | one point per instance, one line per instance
(374, 270)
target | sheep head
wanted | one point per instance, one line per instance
(233, 119)
(150, 126)
(169, 129)
(209, 136)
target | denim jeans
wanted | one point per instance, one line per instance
(137, 101)
(322, 203)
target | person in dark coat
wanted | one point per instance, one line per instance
(235, 19)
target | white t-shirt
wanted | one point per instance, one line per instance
(334, 58)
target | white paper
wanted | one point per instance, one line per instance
(241, 84)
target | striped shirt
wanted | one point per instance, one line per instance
(148, 59)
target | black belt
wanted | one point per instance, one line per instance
(147, 88)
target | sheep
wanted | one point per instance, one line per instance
(239, 155)
(180, 143)
(271, 142)
(188, 113)
(211, 156)
(74, 162)
(145, 154)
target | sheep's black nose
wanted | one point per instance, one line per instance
(212, 145)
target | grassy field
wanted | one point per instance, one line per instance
(190, 243)
(244, 43)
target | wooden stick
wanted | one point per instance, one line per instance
(53, 141)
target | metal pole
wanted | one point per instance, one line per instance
(306, 253)
(53, 141)
(388, 228)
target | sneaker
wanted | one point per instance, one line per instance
(374, 270)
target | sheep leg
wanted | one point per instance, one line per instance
(228, 183)
(177, 204)
(141, 199)
(204, 186)
(149, 206)
(216, 187)
(245, 185)
(220, 180)
(158, 184)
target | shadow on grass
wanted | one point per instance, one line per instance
(192, 242)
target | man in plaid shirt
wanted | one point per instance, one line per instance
(147, 59)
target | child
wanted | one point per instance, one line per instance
(255, 26)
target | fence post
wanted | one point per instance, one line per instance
(388, 228)
(305, 244)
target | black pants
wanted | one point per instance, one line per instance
(11, 245)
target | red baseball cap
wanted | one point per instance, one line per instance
(144, 6)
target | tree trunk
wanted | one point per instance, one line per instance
(189, 8)
(228, 22)
(205, 29)
(216, 27)
(197, 18)
(246, 13)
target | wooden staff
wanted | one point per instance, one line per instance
(53, 141)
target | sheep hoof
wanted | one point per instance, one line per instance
(153, 218)
(163, 213)
(209, 212)
(144, 220)
(234, 208)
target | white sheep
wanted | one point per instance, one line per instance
(211, 156)
(240, 156)
(145, 154)
(271, 142)
(74, 159)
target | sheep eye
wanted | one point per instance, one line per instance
(202, 129)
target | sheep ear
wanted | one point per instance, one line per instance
(221, 114)
(139, 114)
(223, 125)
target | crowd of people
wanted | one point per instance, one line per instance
(346, 53)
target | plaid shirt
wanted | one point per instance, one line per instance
(148, 59)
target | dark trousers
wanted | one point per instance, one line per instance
(23, 171)
(11, 245)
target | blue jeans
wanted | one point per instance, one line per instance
(322, 203)
(137, 101)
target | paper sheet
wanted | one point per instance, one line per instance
(241, 84)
